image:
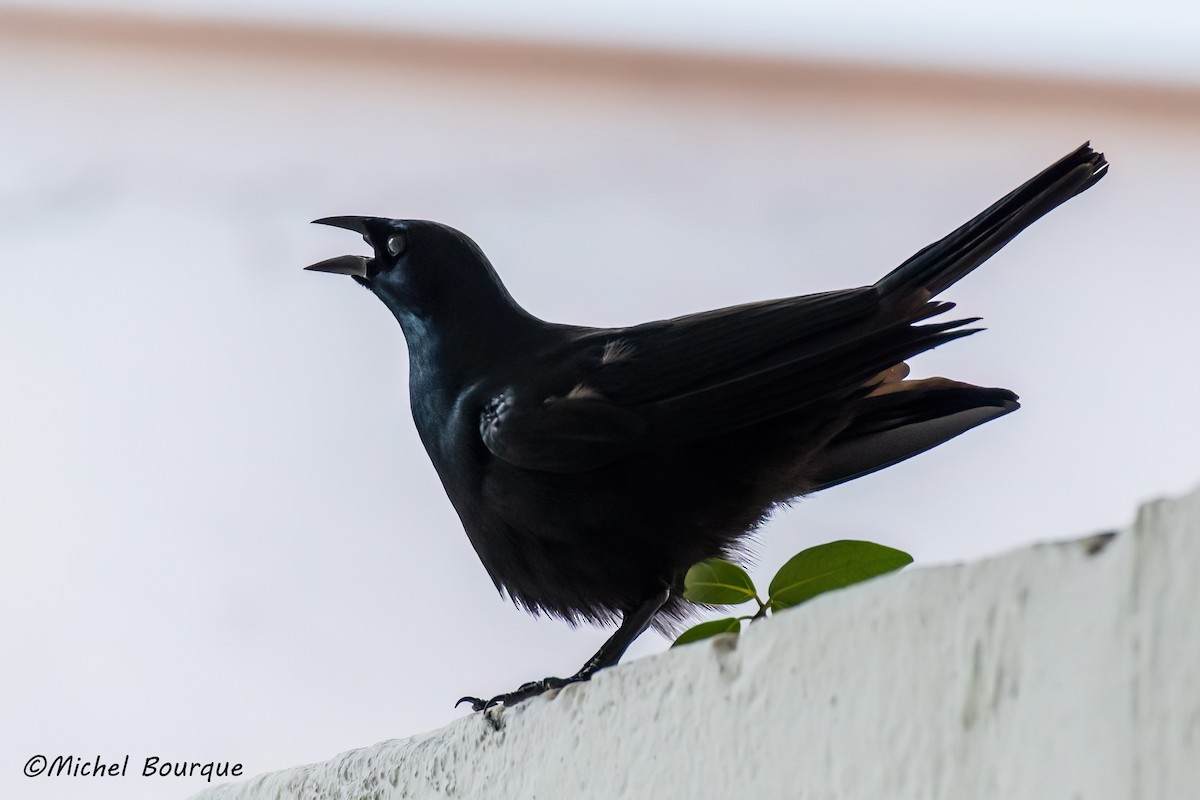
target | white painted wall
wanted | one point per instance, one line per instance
(1067, 670)
(221, 538)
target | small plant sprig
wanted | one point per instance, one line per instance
(820, 569)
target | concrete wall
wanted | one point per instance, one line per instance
(1067, 670)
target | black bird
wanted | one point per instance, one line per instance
(591, 467)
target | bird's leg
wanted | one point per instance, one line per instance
(633, 625)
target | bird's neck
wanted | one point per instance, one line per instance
(450, 362)
(460, 343)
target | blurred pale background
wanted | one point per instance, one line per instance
(222, 539)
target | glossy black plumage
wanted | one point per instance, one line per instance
(591, 467)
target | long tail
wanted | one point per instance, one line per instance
(944, 262)
(901, 418)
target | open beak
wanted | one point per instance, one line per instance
(345, 265)
(356, 224)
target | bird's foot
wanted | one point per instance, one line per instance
(609, 654)
(523, 692)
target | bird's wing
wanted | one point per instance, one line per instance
(714, 373)
(572, 433)
(703, 375)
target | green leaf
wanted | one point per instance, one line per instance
(717, 582)
(831, 566)
(707, 629)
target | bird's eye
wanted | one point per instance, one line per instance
(395, 244)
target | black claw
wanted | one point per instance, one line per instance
(523, 692)
(477, 704)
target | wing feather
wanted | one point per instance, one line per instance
(559, 434)
(687, 379)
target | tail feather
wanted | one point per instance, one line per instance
(899, 418)
(916, 416)
(944, 262)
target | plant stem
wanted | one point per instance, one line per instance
(762, 610)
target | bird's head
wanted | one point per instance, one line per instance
(418, 268)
